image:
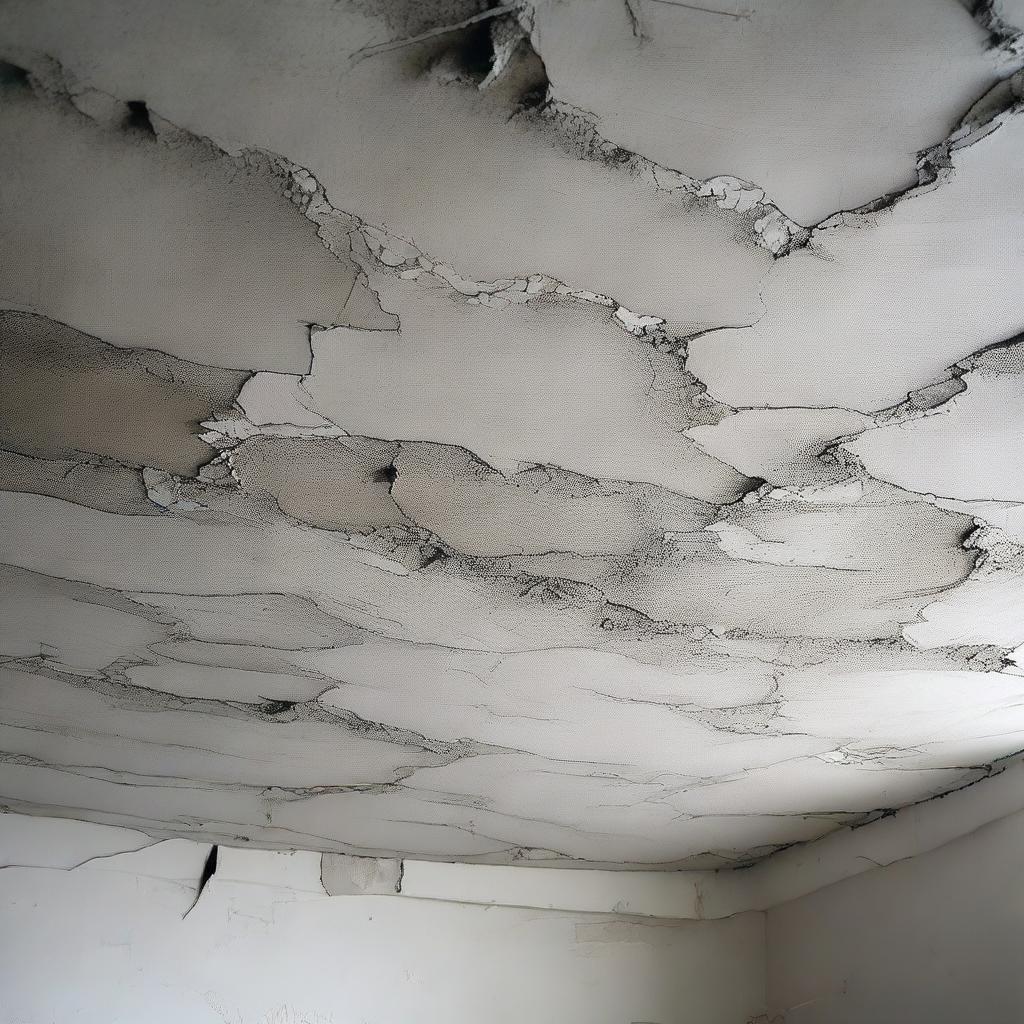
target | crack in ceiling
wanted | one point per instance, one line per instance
(471, 484)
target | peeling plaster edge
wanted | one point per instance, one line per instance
(935, 164)
(377, 248)
(703, 895)
(772, 228)
(712, 895)
(896, 836)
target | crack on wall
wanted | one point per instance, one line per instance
(209, 870)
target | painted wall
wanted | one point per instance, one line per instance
(938, 938)
(106, 943)
(93, 929)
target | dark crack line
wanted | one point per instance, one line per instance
(209, 869)
(745, 16)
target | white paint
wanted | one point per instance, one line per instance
(783, 877)
(773, 91)
(538, 607)
(106, 943)
(664, 894)
(936, 938)
(44, 842)
(667, 895)
(926, 265)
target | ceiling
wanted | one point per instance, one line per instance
(575, 432)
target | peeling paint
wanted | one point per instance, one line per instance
(405, 461)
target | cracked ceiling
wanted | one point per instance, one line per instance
(578, 432)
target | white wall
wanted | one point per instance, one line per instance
(105, 943)
(937, 938)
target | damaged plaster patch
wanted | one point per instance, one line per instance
(986, 608)
(935, 165)
(345, 233)
(770, 94)
(935, 266)
(360, 876)
(495, 383)
(951, 438)
(769, 226)
(512, 55)
(201, 256)
(333, 483)
(363, 485)
(782, 446)
(606, 206)
(461, 560)
(859, 540)
(276, 621)
(100, 483)
(69, 395)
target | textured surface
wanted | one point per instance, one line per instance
(574, 433)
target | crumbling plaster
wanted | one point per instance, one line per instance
(424, 439)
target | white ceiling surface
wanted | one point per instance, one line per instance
(604, 516)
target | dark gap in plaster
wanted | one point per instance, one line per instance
(535, 97)
(493, 55)
(13, 74)
(389, 474)
(436, 555)
(536, 89)
(137, 119)
(532, 87)
(474, 53)
(277, 707)
(209, 870)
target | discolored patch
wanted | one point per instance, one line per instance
(67, 394)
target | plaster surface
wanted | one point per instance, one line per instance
(266, 944)
(545, 433)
